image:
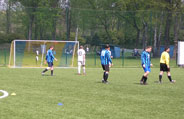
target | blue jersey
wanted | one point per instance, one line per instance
(105, 57)
(50, 57)
(145, 59)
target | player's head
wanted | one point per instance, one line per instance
(51, 47)
(107, 47)
(81, 47)
(167, 49)
(148, 48)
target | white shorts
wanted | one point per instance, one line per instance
(81, 63)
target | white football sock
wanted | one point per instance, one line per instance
(79, 69)
(84, 70)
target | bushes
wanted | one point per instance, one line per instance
(7, 38)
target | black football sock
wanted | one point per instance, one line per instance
(169, 77)
(104, 76)
(160, 78)
(52, 72)
(142, 79)
(45, 70)
(145, 79)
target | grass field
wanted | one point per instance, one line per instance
(85, 97)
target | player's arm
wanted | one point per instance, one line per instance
(109, 58)
(52, 55)
(84, 57)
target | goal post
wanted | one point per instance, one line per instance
(180, 58)
(31, 53)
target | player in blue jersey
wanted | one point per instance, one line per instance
(49, 59)
(105, 61)
(146, 64)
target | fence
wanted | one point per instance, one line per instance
(128, 58)
(4, 57)
(127, 29)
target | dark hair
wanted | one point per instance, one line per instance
(107, 46)
(51, 47)
(166, 47)
(147, 47)
(81, 47)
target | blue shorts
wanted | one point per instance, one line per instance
(147, 68)
(50, 64)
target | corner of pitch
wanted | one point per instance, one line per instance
(5, 94)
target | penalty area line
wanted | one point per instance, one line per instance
(5, 94)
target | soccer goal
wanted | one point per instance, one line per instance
(31, 53)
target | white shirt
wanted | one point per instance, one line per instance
(81, 53)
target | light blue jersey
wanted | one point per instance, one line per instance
(105, 57)
(50, 57)
(146, 60)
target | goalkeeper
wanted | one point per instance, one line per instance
(49, 59)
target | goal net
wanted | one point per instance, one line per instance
(32, 53)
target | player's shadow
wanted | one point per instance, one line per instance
(46, 75)
(156, 82)
(98, 81)
(137, 83)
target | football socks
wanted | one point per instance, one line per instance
(160, 78)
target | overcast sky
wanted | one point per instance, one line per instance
(2, 4)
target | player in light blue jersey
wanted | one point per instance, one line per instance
(146, 64)
(105, 61)
(50, 59)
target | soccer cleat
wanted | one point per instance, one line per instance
(141, 82)
(173, 81)
(160, 82)
(106, 82)
(43, 73)
(103, 81)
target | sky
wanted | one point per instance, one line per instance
(2, 4)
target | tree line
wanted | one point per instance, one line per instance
(126, 23)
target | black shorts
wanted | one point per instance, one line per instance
(105, 67)
(163, 67)
(50, 64)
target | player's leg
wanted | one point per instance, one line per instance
(79, 67)
(160, 76)
(106, 73)
(169, 77)
(45, 70)
(162, 69)
(36, 60)
(145, 77)
(84, 69)
(103, 67)
(52, 69)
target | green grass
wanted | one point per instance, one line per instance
(1, 94)
(85, 97)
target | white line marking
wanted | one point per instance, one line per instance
(5, 94)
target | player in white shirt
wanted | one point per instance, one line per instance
(81, 60)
